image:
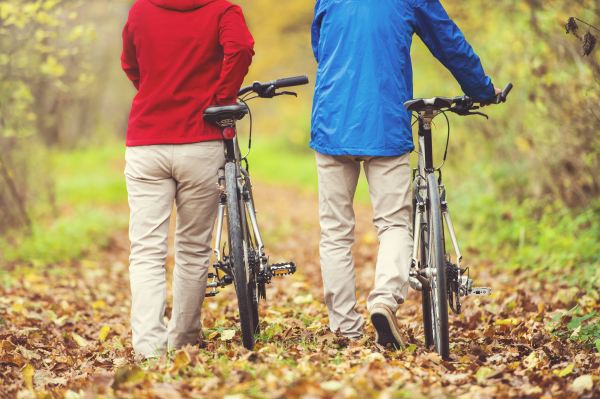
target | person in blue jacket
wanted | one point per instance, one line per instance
(364, 77)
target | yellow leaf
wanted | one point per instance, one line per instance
(213, 335)
(17, 307)
(28, 372)
(80, 340)
(506, 321)
(118, 345)
(104, 333)
(98, 305)
(566, 371)
(227, 335)
(482, 373)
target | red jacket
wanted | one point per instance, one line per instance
(182, 55)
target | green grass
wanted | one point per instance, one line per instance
(89, 184)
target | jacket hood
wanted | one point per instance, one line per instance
(181, 5)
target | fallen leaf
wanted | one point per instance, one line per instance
(28, 372)
(332, 385)
(581, 384)
(182, 358)
(227, 335)
(80, 340)
(117, 345)
(482, 373)
(104, 332)
(564, 372)
(128, 374)
(372, 357)
(300, 299)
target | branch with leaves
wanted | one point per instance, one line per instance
(589, 40)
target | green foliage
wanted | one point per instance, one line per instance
(584, 330)
(65, 239)
(88, 185)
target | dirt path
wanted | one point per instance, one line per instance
(66, 332)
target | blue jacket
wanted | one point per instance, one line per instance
(365, 73)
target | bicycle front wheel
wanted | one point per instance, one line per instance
(237, 256)
(436, 261)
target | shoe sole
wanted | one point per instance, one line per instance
(385, 334)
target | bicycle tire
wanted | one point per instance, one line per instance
(254, 304)
(426, 299)
(236, 243)
(253, 291)
(439, 296)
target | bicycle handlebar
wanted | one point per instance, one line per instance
(500, 98)
(260, 88)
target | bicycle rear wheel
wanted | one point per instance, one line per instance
(237, 254)
(426, 295)
(436, 257)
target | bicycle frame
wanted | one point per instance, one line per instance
(246, 199)
(424, 168)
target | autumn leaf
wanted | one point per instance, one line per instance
(28, 372)
(582, 384)
(482, 374)
(104, 333)
(182, 358)
(80, 340)
(300, 299)
(564, 372)
(227, 335)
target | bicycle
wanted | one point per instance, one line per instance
(246, 265)
(440, 281)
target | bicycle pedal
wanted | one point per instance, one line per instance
(211, 293)
(282, 269)
(480, 291)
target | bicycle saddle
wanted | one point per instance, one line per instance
(216, 114)
(422, 104)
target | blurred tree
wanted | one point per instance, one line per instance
(44, 74)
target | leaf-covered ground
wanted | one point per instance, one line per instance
(64, 332)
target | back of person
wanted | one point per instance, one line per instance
(363, 78)
(174, 53)
(365, 72)
(182, 55)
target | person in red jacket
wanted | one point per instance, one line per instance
(182, 56)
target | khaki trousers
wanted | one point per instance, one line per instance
(389, 189)
(156, 176)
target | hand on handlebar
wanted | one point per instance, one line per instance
(497, 92)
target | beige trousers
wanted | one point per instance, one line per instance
(389, 189)
(156, 176)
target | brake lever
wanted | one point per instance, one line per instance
(477, 113)
(286, 93)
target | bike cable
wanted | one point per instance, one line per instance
(447, 140)
(244, 100)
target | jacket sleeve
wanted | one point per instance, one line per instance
(129, 61)
(316, 30)
(447, 43)
(238, 49)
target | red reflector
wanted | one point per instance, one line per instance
(228, 133)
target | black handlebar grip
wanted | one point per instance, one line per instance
(288, 82)
(505, 92)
